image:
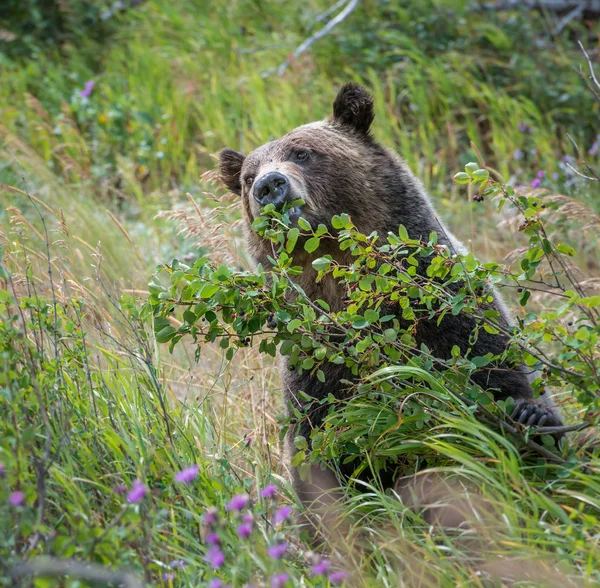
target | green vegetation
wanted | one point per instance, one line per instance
(98, 417)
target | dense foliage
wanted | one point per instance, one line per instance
(139, 423)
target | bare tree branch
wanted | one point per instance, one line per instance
(50, 566)
(303, 47)
(577, 12)
(562, 6)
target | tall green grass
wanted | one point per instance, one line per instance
(176, 82)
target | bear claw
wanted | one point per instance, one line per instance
(530, 414)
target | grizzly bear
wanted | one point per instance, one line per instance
(335, 166)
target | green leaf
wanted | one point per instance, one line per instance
(293, 325)
(304, 224)
(480, 175)
(371, 315)
(300, 443)
(565, 249)
(165, 334)
(292, 238)
(390, 334)
(524, 297)
(462, 178)
(322, 263)
(471, 168)
(312, 244)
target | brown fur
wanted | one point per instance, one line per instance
(346, 171)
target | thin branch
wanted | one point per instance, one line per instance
(303, 47)
(575, 13)
(589, 61)
(321, 17)
(50, 566)
(580, 174)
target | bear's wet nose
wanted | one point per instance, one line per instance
(272, 188)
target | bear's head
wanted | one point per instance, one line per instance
(334, 165)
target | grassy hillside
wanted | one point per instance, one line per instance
(100, 183)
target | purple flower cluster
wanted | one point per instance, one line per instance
(137, 493)
(238, 502)
(538, 179)
(87, 90)
(245, 528)
(268, 491)
(187, 475)
(279, 580)
(276, 551)
(215, 557)
(282, 514)
(17, 498)
(323, 568)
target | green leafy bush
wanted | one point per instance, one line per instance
(408, 389)
(27, 25)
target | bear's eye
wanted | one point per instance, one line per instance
(301, 155)
(249, 180)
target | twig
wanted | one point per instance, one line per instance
(350, 6)
(579, 173)
(551, 5)
(589, 61)
(321, 17)
(50, 566)
(575, 13)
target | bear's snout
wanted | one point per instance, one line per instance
(272, 188)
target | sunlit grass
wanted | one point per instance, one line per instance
(177, 82)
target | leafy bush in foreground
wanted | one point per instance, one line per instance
(267, 307)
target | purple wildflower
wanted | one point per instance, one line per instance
(595, 146)
(338, 577)
(137, 492)
(282, 514)
(2, 469)
(268, 491)
(540, 174)
(89, 86)
(321, 568)
(536, 183)
(186, 475)
(276, 551)
(213, 539)
(17, 498)
(524, 127)
(518, 154)
(238, 502)
(215, 583)
(279, 580)
(248, 518)
(210, 516)
(120, 489)
(555, 176)
(178, 563)
(168, 576)
(244, 530)
(215, 557)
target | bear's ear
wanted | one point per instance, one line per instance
(353, 107)
(230, 168)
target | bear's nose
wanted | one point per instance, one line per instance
(272, 188)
